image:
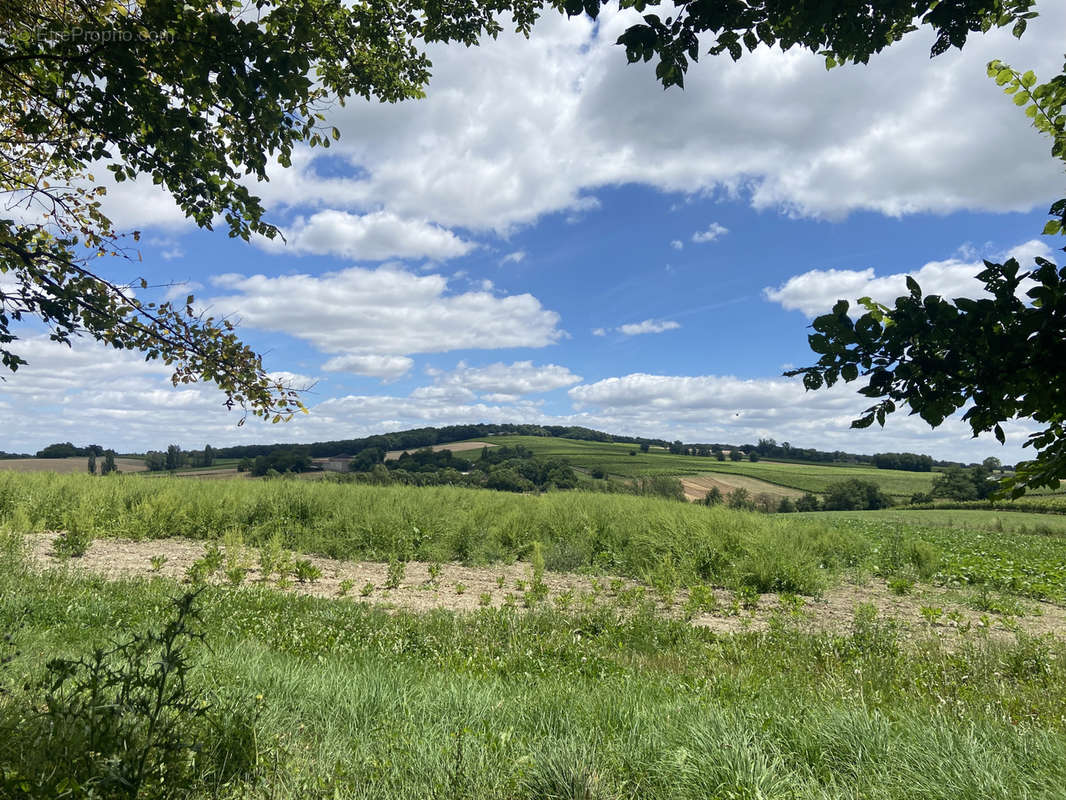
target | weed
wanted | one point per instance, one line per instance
(460, 587)
(396, 572)
(901, 584)
(500, 581)
(748, 597)
(157, 562)
(367, 590)
(121, 723)
(74, 542)
(932, 614)
(701, 600)
(484, 599)
(564, 600)
(305, 571)
(345, 586)
(434, 573)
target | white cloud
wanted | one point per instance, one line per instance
(386, 311)
(599, 331)
(648, 326)
(371, 365)
(508, 380)
(517, 257)
(376, 236)
(714, 231)
(677, 244)
(814, 292)
(95, 394)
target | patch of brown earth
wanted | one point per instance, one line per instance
(459, 588)
(458, 447)
(697, 486)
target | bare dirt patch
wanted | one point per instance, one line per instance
(697, 486)
(67, 465)
(458, 447)
(930, 609)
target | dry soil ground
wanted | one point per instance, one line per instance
(78, 464)
(459, 447)
(461, 588)
(697, 486)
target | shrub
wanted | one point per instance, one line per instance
(305, 571)
(713, 497)
(855, 495)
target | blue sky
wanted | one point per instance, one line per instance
(550, 237)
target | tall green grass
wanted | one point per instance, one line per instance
(633, 536)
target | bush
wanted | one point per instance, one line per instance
(808, 502)
(855, 495)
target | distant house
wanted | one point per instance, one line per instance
(335, 463)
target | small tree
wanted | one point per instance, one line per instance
(92, 462)
(713, 497)
(174, 457)
(209, 455)
(735, 454)
(644, 447)
(109, 463)
(808, 502)
(753, 456)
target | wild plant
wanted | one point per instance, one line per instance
(460, 587)
(500, 581)
(271, 557)
(367, 590)
(932, 614)
(701, 600)
(345, 586)
(305, 571)
(206, 566)
(434, 570)
(748, 597)
(74, 542)
(396, 571)
(157, 562)
(123, 722)
(564, 600)
(484, 599)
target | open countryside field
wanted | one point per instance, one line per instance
(615, 459)
(658, 650)
(67, 465)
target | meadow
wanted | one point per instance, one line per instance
(288, 696)
(627, 461)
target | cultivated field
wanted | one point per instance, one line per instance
(457, 447)
(615, 459)
(67, 465)
(453, 643)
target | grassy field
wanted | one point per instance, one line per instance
(301, 698)
(1016, 552)
(616, 459)
(298, 697)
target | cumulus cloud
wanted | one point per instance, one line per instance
(517, 257)
(714, 231)
(372, 365)
(648, 326)
(814, 292)
(376, 236)
(677, 244)
(386, 311)
(508, 381)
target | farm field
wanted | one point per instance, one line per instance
(614, 458)
(66, 465)
(677, 651)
